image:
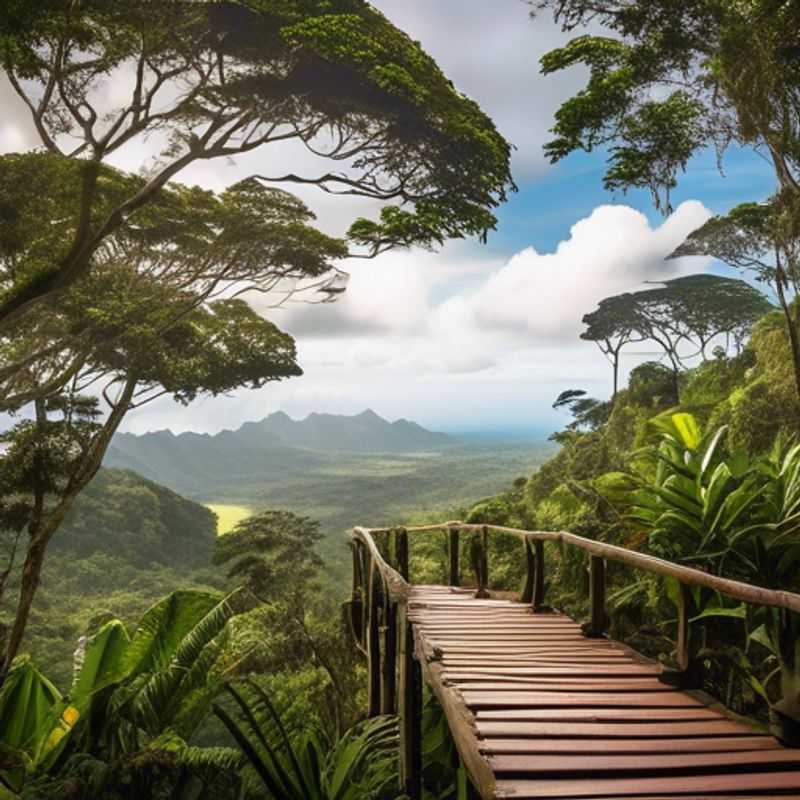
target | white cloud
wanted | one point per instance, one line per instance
(450, 339)
(613, 250)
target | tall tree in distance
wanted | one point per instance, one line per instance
(612, 326)
(214, 80)
(760, 238)
(682, 315)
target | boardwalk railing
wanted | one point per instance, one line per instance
(378, 612)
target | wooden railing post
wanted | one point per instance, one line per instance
(530, 563)
(682, 654)
(538, 577)
(356, 609)
(596, 626)
(453, 552)
(480, 562)
(374, 642)
(410, 711)
(389, 682)
(401, 551)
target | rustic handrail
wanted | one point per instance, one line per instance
(747, 593)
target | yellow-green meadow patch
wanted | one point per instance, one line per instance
(229, 515)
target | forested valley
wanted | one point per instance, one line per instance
(177, 617)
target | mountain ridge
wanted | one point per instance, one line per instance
(268, 447)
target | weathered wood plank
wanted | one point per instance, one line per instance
(589, 746)
(635, 787)
(627, 730)
(522, 699)
(577, 763)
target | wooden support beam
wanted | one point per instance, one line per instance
(682, 652)
(389, 670)
(538, 577)
(401, 551)
(374, 642)
(356, 610)
(481, 559)
(596, 627)
(410, 711)
(530, 563)
(453, 550)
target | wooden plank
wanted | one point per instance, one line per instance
(561, 684)
(553, 669)
(520, 699)
(635, 787)
(535, 765)
(608, 730)
(589, 746)
(596, 714)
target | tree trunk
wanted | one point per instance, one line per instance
(791, 324)
(44, 527)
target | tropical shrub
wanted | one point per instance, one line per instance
(362, 765)
(138, 697)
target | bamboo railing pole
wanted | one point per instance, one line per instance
(401, 551)
(682, 652)
(357, 597)
(597, 595)
(538, 577)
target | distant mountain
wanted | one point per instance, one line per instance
(269, 449)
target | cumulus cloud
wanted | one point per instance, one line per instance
(613, 250)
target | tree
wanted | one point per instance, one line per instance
(670, 79)
(49, 462)
(759, 238)
(157, 314)
(209, 80)
(586, 411)
(189, 245)
(688, 312)
(611, 326)
(273, 554)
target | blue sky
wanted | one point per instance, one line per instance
(474, 336)
(542, 212)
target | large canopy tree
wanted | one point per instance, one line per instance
(190, 245)
(671, 78)
(760, 238)
(683, 316)
(207, 80)
(158, 314)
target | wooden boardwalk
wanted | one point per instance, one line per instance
(538, 710)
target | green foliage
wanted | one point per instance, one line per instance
(130, 696)
(272, 552)
(362, 764)
(253, 74)
(735, 86)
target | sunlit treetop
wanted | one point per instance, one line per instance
(206, 80)
(672, 77)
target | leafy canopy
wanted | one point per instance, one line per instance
(671, 78)
(209, 80)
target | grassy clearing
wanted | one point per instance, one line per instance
(228, 515)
